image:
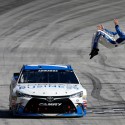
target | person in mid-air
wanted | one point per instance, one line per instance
(107, 38)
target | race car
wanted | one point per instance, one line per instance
(47, 90)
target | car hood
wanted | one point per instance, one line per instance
(49, 89)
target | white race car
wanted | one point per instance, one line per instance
(47, 90)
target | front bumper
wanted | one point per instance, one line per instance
(79, 113)
(61, 107)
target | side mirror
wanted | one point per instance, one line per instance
(16, 76)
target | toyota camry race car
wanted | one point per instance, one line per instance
(47, 90)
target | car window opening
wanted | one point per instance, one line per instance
(48, 76)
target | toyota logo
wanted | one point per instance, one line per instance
(50, 98)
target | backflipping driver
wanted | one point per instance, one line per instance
(107, 38)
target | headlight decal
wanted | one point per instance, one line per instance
(20, 94)
(79, 94)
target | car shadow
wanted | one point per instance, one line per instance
(8, 115)
(5, 114)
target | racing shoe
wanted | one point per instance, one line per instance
(94, 52)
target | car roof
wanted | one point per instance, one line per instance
(47, 67)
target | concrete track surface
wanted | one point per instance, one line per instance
(60, 32)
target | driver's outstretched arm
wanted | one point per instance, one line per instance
(110, 32)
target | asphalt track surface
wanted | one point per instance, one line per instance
(60, 32)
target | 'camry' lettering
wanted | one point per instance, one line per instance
(50, 104)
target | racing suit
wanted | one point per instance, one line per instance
(107, 35)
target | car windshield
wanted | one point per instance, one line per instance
(48, 76)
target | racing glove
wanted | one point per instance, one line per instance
(94, 52)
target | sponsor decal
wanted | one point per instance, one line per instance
(61, 86)
(41, 86)
(22, 87)
(69, 87)
(75, 87)
(50, 104)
